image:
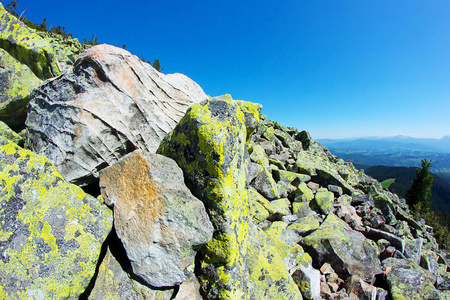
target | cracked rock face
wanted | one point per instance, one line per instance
(109, 104)
(160, 223)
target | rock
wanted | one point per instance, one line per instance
(280, 206)
(326, 269)
(302, 193)
(375, 234)
(257, 211)
(289, 177)
(109, 104)
(413, 249)
(189, 290)
(209, 144)
(324, 201)
(305, 226)
(114, 283)
(302, 209)
(160, 223)
(336, 190)
(50, 231)
(308, 280)
(9, 134)
(361, 289)
(406, 280)
(16, 83)
(25, 45)
(257, 155)
(266, 185)
(344, 249)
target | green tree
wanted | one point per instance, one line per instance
(156, 65)
(418, 195)
(12, 5)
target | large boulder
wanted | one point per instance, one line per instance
(16, 83)
(25, 45)
(209, 144)
(407, 280)
(51, 231)
(159, 222)
(347, 251)
(109, 104)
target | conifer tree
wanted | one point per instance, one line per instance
(156, 65)
(418, 195)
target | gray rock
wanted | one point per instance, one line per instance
(375, 234)
(413, 249)
(109, 104)
(406, 280)
(159, 221)
(334, 242)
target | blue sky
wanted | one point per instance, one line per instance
(334, 68)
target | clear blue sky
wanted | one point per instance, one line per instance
(334, 68)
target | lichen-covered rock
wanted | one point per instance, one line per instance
(324, 201)
(9, 134)
(308, 280)
(50, 231)
(114, 283)
(25, 45)
(16, 83)
(304, 226)
(266, 185)
(109, 104)
(344, 249)
(160, 223)
(209, 145)
(406, 280)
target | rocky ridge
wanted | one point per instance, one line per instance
(233, 206)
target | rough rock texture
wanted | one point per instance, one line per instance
(109, 104)
(156, 217)
(25, 45)
(407, 280)
(114, 283)
(50, 231)
(9, 134)
(16, 83)
(209, 144)
(334, 242)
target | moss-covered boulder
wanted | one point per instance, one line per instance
(209, 144)
(16, 83)
(50, 231)
(25, 45)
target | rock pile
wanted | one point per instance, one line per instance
(233, 206)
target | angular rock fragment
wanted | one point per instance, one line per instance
(109, 104)
(160, 223)
(406, 280)
(334, 242)
(50, 231)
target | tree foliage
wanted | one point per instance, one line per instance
(156, 65)
(418, 195)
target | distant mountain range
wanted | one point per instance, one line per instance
(393, 151)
